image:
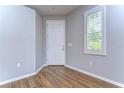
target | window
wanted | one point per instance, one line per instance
(94, 31)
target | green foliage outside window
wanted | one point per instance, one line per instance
(94, 31)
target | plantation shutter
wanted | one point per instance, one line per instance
(94, 31)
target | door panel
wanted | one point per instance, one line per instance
(55, 42)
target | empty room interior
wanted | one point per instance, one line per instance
(88, 53)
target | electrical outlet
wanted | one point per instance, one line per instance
(91, 63)
(18, 65)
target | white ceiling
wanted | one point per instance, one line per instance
(53, 9)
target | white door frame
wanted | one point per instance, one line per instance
(47, 40)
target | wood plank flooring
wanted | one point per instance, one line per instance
(59, 77)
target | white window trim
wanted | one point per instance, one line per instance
(93, 10)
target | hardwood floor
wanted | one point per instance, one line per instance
(59, 77)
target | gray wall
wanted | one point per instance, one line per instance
(17, 41)
(44, 25)
(21, 42)
(110, 66)
(39, 41)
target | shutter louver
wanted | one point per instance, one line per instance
(94, 31)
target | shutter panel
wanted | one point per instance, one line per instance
(94, 31)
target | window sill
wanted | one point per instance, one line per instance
(96, 54)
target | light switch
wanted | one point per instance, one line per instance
(69, 44)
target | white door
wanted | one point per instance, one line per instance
(55, 42)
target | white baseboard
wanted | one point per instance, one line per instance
(17, 78)
(40, 68)
(22, 77)
(34, 73)
(54, 64)
(97, 76)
